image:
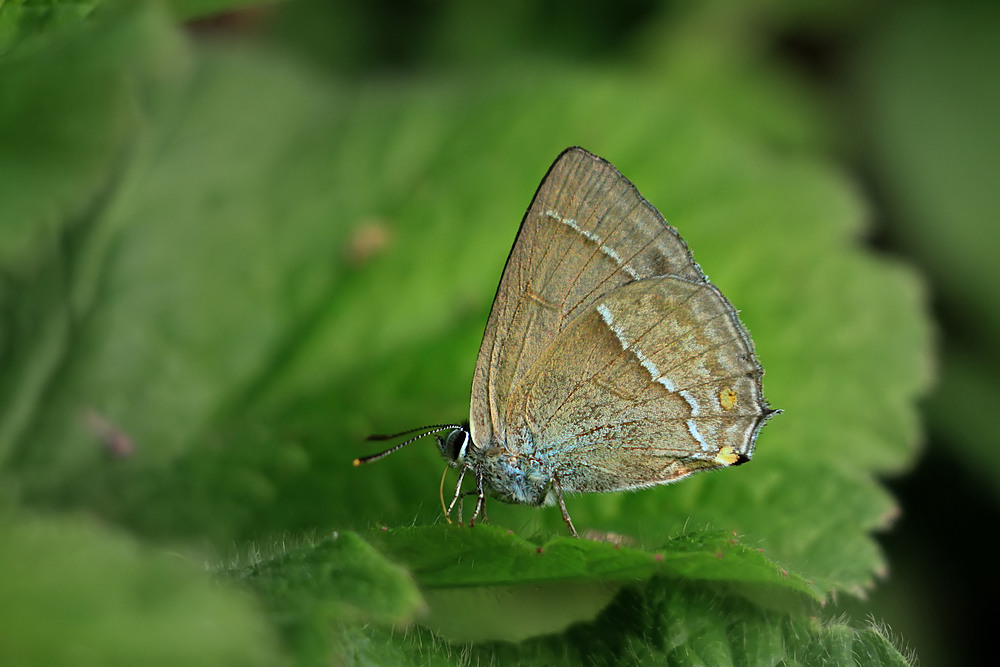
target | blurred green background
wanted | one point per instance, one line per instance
(237, 237)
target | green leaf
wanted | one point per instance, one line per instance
(189, 10)
(72, 115)
(456, 557)
(666, 621)
(24, 20)
(336, 580)
(487, 583)
(75, 593)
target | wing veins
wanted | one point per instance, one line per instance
(610, 275)
(578, 385)
(526, 281)
(597, 247)
(590, 294)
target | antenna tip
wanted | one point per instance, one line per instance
(357, 462)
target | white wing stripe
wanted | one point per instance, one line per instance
(647, 363)
(597, 240)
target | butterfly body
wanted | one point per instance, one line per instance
(514, 477)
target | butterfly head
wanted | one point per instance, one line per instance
(454, 446)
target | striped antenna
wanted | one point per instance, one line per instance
(427, 430)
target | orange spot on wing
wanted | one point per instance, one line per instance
(727, 456)
(728, 398)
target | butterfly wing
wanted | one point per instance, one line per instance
(587, 232)
(656, 380)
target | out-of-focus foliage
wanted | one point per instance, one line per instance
(935, 145)
(75, 592)
(925, 93)
(226, 261)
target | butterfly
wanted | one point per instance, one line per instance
(609, 361)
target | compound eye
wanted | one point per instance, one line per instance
(454, 446)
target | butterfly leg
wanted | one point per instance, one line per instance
(461, 500)
(562, 506)
(458, 496)
(480, 502)
(461, 505)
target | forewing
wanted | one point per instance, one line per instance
(653, 381)
(587, 232)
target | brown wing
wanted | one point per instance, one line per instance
(654, 381)
(587, 232)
